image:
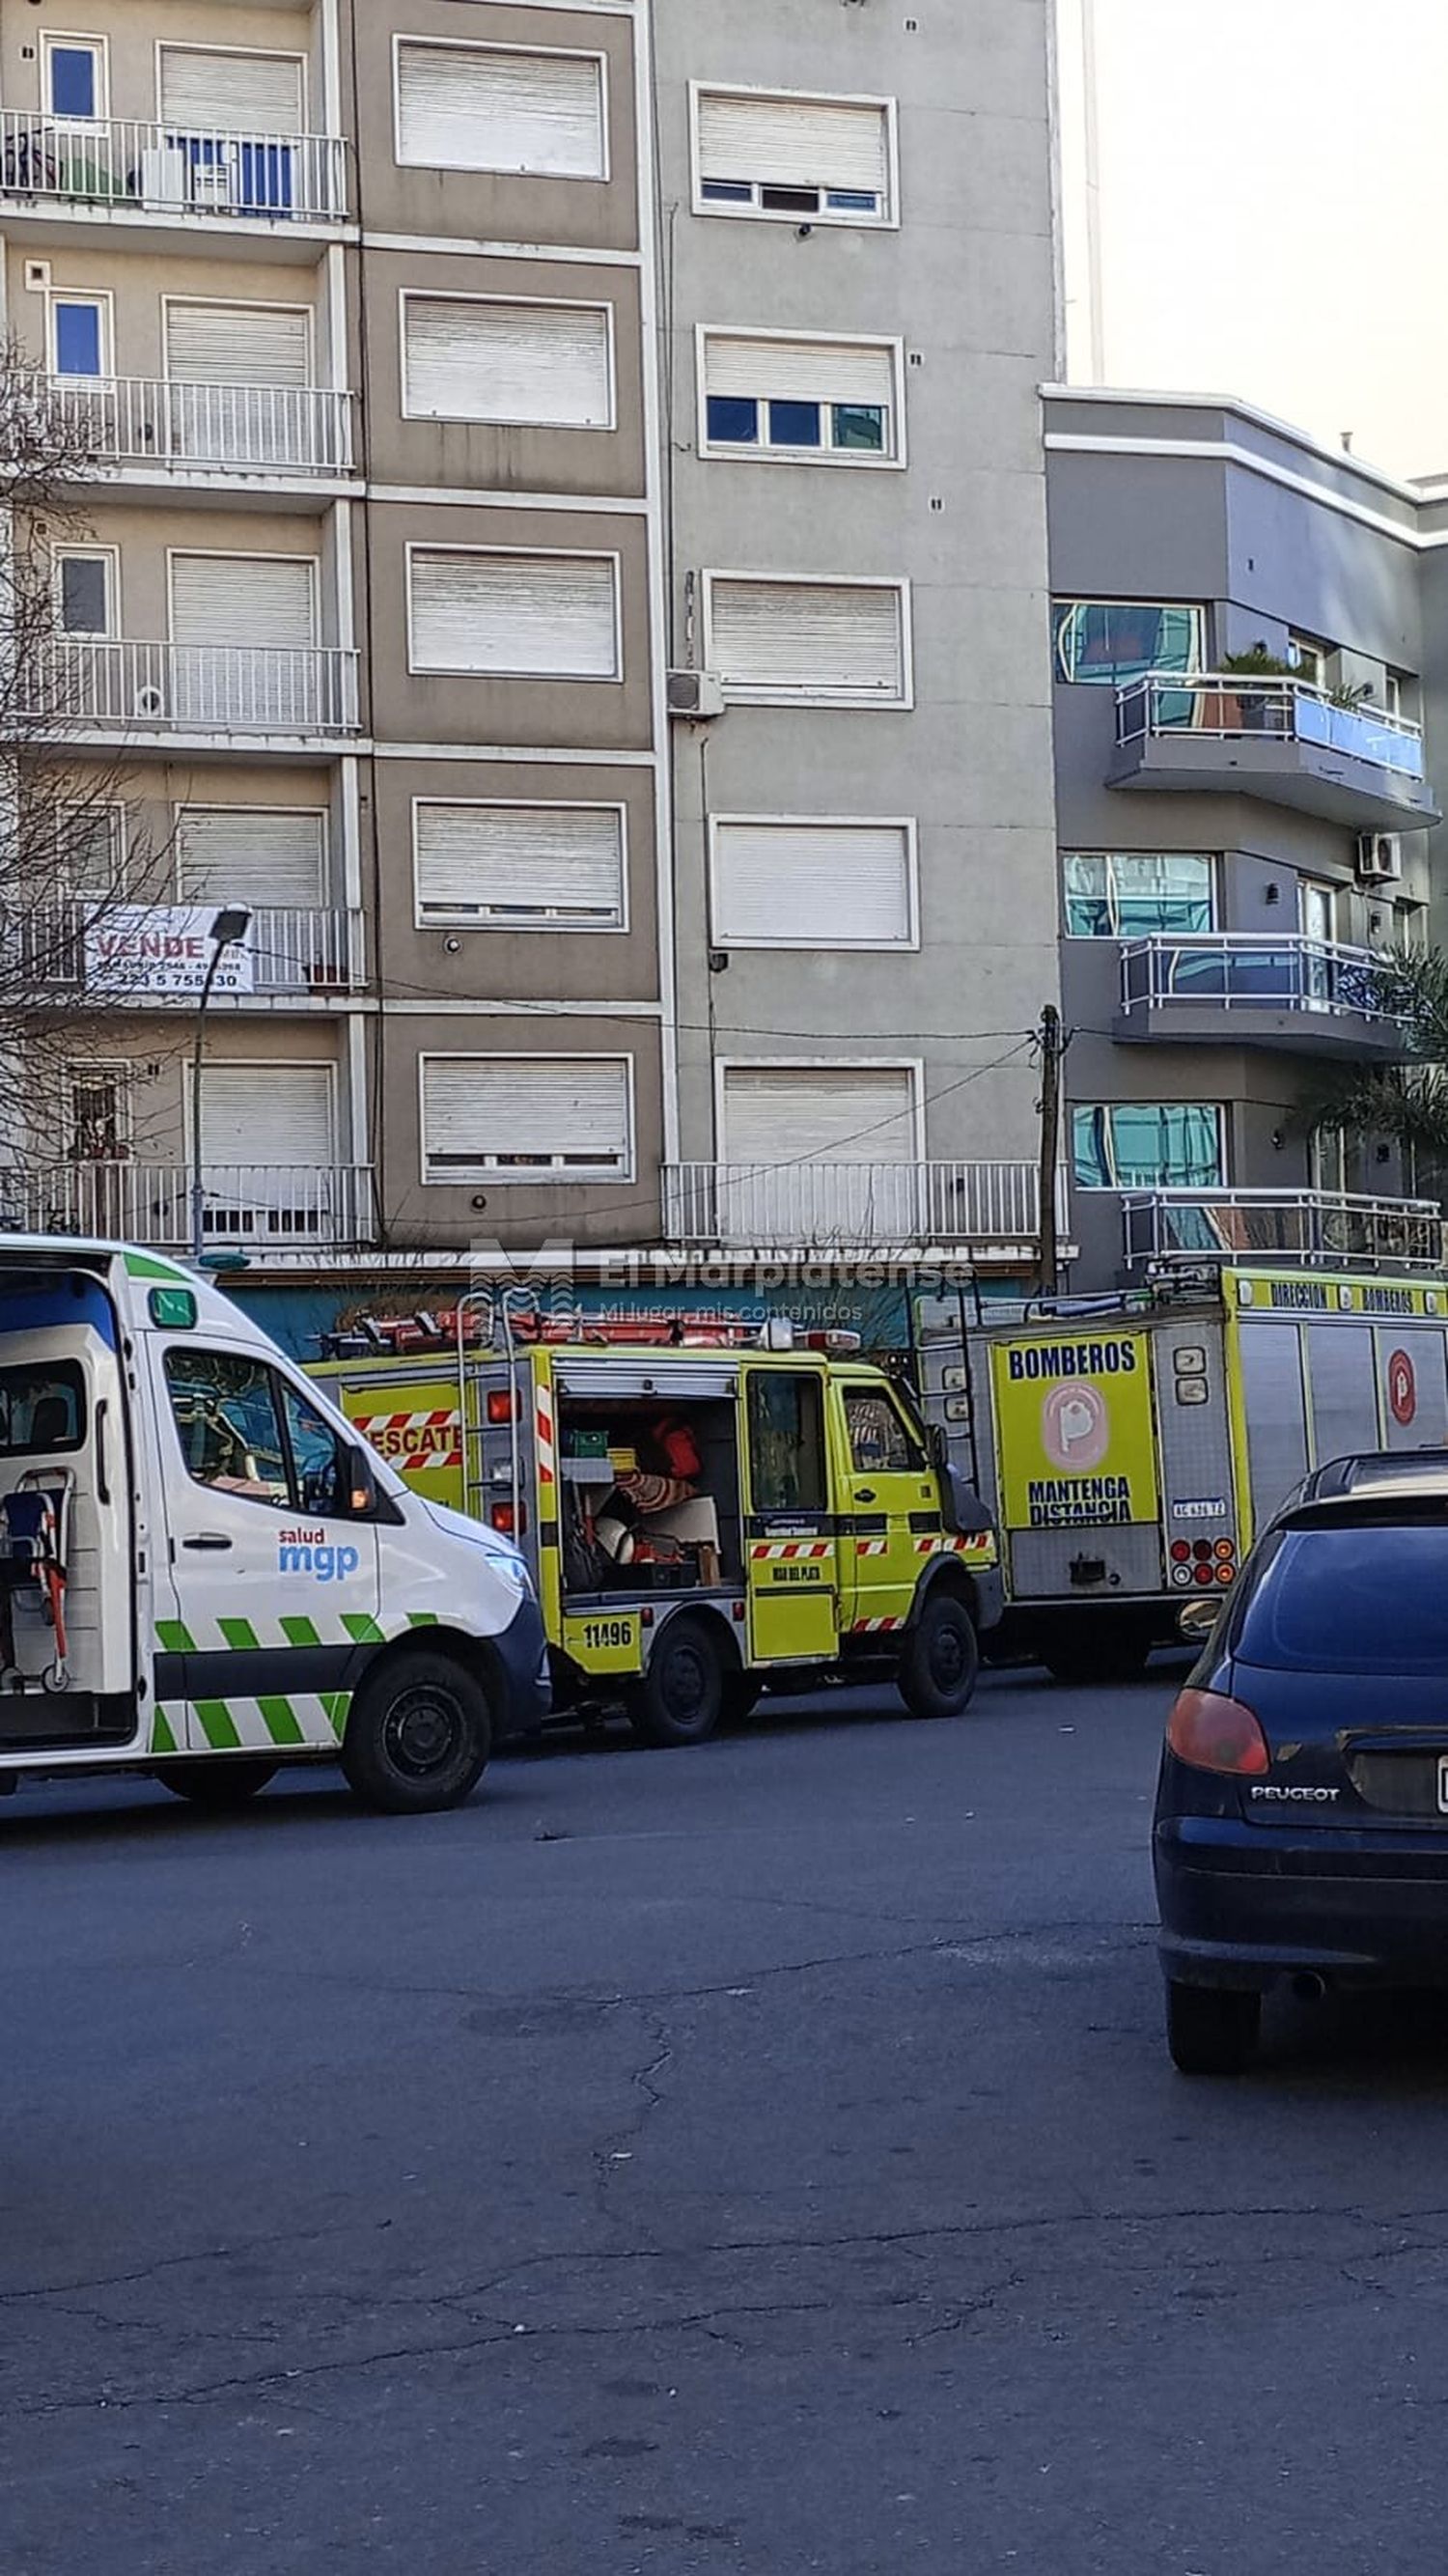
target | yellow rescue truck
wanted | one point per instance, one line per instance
(1130, 1447)
(699, 1518)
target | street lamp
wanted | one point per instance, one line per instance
(230, 926)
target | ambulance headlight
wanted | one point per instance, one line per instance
(511, 1569)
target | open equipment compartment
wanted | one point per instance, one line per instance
(649, 1486)
(67, 1543)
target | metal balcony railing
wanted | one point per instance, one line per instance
(834, 1207)
(289, 949)
(1235, 971)
(117, 685)
(1186, 1228)
(120, 164)
(261, 1204)
(1227, 707)
(149, 421)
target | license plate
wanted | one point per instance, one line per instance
(1443, 1784)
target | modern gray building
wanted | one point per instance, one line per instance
(1236, 844)
(566, 549)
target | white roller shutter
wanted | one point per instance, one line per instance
(521, 1117)
(545, 616)
(252, 855)
(242, 599)
(812, 885)
(799, 370)
(545, 864)
(840, 641)
(835, 1114)
(238, 344)
(794, 142)
(266, 1114)
(484, 107)
(546, 364)
(231, 93)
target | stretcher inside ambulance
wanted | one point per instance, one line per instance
(203, 1574)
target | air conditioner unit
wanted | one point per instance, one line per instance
(698, 695)
(1379, 858)
(150, 701)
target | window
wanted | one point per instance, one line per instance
(208, 89)
(523, 616)
(1138, 1145)
(795, 1116)
(833, 643)
(821, 160)
(1112, 642)
(482, 358)
(99, 1124)
(80, 335)
(805, 884)
(224, 1407)
(1309, 659)
(879, 1441)
(42, 1408)
(786, 1441)
(528, 867)
(1360, 1597)
(316, 1455)
(85, 590)
(1134, 894)
(74, 77)
(499, 107)
(252, 854)
(526, 1118)
(90, 847)
(820, 399)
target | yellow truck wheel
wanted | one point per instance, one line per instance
(681, 1697)
(940, 1659)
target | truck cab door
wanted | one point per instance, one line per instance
(892, 1521)
(791, 1550)
(272, 1583)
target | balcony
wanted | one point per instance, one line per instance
(982, 1211)
(1189, 1229)
(297, 694)
(265, 1207)
(170, 429)
(119, 172)
(1281, 740)
(151, 955)
(1229, 988)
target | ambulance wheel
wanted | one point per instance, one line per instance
(681, 1697)
(940, 1659)
(220, 1784)
(418, 1736)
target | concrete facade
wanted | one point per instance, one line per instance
(1277, 543)
(339, 216)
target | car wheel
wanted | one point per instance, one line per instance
(681, 1697)
(218, 1784)
(1211, 2030)
(418, 1736)
(940, 1659)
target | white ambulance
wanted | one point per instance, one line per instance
(204, 1575)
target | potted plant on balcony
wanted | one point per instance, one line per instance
(1245, 711)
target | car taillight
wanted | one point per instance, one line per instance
(1214, 1733)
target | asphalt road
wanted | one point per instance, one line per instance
(761, 2158)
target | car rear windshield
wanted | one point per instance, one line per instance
(1354, 1597)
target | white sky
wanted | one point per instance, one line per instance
(1270, 209)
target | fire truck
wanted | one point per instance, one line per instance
(704, 1507)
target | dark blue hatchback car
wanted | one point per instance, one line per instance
(1301, 1825)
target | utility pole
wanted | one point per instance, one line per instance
(1052, 1050)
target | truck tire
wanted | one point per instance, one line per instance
(681, 1697)
(1211, 2030)
(418, 1736)
(940, 1659)
(219, 1784)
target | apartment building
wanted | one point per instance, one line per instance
(1249, 665)
(565, 551)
